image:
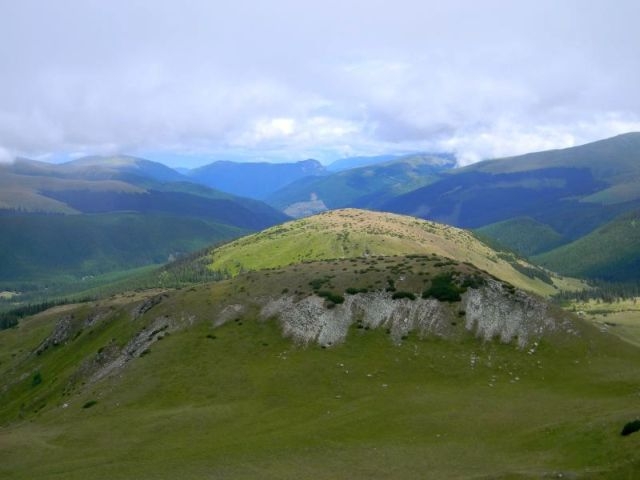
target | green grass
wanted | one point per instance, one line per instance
(240, 401)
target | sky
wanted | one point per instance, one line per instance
(188, 82)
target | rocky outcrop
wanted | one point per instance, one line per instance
(61, 333)
(495, 312)
(491, 312)
(147, 305)
(309, 320)
(109, 360)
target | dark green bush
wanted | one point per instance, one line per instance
(89, 404)
(317, 283)
(354, 291)
(399, 295)
(37, 379)
(630, 427)
(331, 296)
(473, 281)
(443, 288)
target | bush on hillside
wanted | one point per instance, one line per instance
(630, 427)
(37, 379)
(443, 288)
(399, 295)
(354, 291)
(331, 296)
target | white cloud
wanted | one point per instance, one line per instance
(6, 156)
(285, 79)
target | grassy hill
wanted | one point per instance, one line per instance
(571, 192)
(612, 252)
(364, 187)
(353, 233)
(198, 383)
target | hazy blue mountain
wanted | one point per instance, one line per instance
(365, 187)
(253, 179)
(357, 162)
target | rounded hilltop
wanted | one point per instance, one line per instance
(349, 233)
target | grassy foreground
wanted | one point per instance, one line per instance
(240, 401)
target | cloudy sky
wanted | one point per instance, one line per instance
(187, 82)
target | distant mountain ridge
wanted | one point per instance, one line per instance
(357, 162)
(363, 187)
(253, 179)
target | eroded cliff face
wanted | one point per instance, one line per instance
(309, 320)
(491, 312)
(494, 311)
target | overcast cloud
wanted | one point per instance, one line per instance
(191, 81)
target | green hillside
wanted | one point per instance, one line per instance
(612, 252)
(523, 235)
(197, 383)
(364, 187)
(571, 192)
(47, 246)
(44, 257)
(352, 233)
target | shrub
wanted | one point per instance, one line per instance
(444, 289)
(630, 427)
(37, 379)
(317, 283)
(89, 404)
(399, 295)
(473, 281)
(354, 291)
(332, 297)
